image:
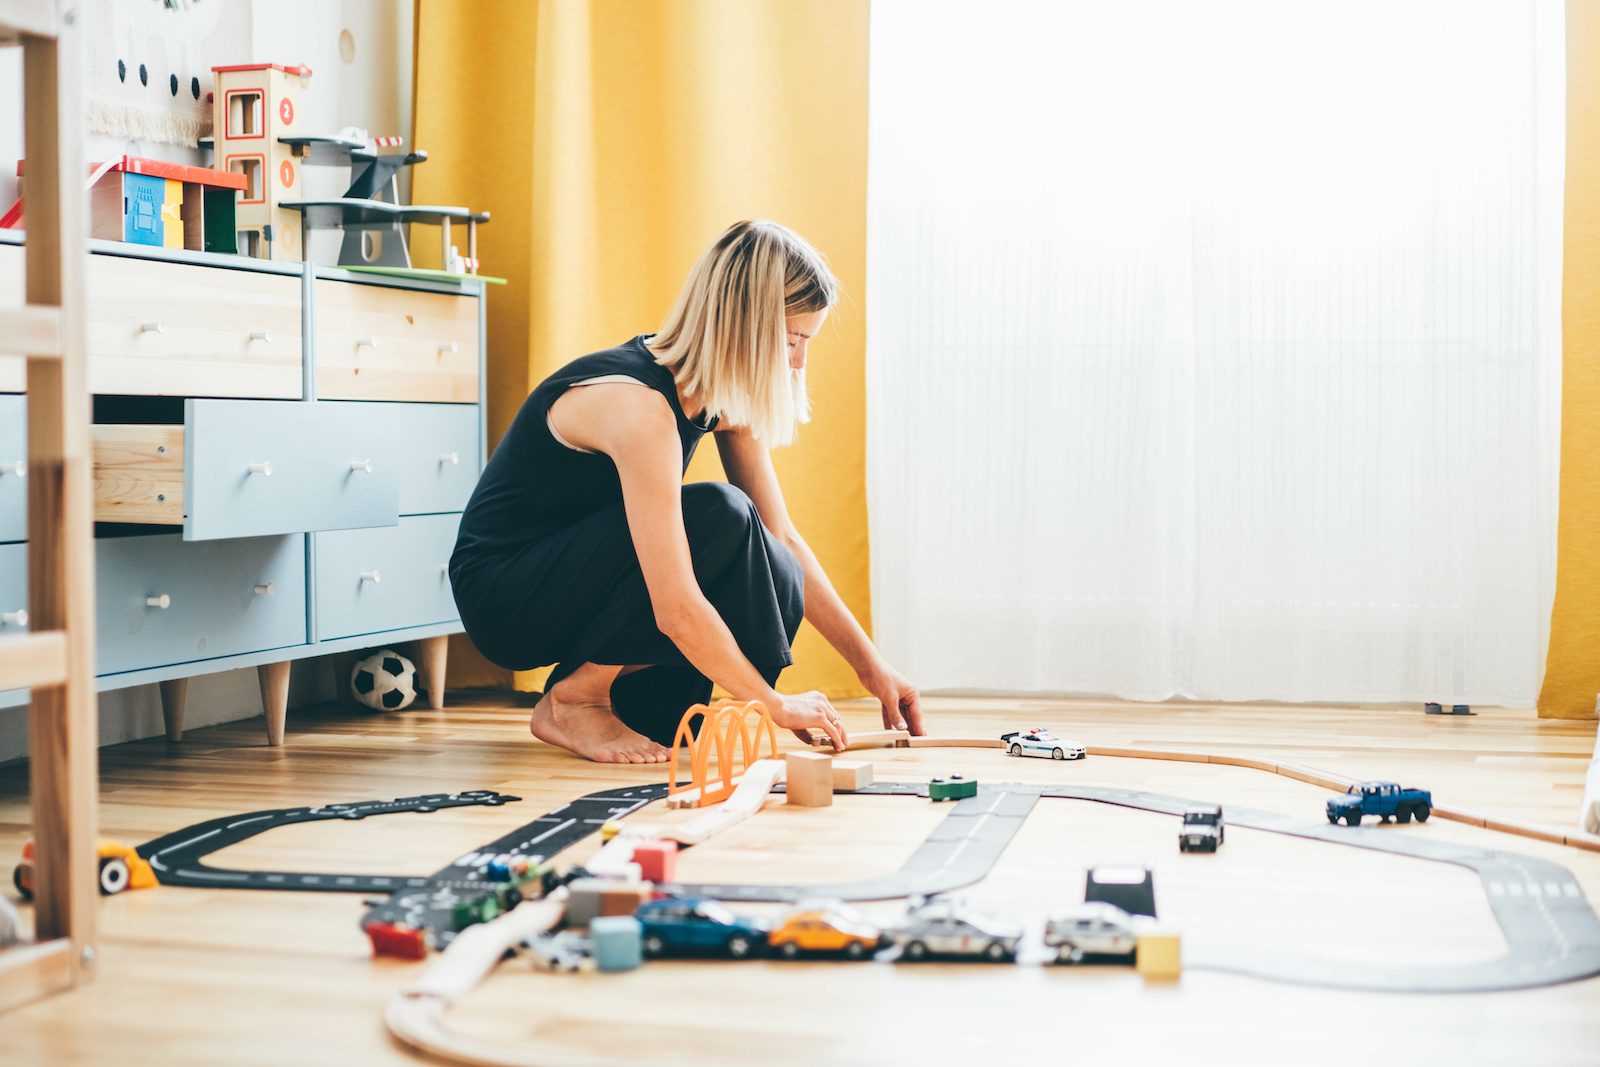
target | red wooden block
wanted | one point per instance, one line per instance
(393, 939)
(657, 860)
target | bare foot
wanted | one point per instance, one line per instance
(590, 729)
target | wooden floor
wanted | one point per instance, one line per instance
(242, 978)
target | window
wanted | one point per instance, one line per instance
(250, 167)
(244, 113)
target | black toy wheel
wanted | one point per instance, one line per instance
(114, 875)
(653, 945)
(1058, 754)
(789, 949)
(1423, 811)
(855, 950)
(1016, 749)
(738, 946)
(1333, 818)
(1403, 815)
(996, 952)
(1353, 819)
(916, 950)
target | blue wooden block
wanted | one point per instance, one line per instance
(14, 450)
(617, 942)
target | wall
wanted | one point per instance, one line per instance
(1572, 668)
(372, 91)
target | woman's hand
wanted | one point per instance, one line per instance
(804, 712)
(902, 708)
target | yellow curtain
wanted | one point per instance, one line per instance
(612, 140)
(1572, 669)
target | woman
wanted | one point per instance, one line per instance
(581, 545)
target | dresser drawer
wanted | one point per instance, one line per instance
(380, 343)
(13, 467)
(11, 370)
(435, 447)
(251, 467)
(221, 597)
(385, 579)
(171, 329)
(13, 589)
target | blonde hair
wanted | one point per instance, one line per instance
(724, 339)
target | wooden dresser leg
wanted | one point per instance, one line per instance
(274, 679)
(432, 651)
(174, 691)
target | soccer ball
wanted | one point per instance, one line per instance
(384, 681)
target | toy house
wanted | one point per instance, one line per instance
(153, 202)
(252, 107)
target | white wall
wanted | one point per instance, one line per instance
(372, 91)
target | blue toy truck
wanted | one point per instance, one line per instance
(1383, 799)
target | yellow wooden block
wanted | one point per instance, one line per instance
(1159, 954)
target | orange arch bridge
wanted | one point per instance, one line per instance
(731, 729)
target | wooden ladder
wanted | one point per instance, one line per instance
(55, 659)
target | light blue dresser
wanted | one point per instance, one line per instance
(282, 454)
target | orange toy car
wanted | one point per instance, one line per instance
(829, 927)
(120, 868)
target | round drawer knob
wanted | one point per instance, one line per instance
(17, 469)
(452, 458)
(362, 465)
(265, 589)
(444, 569)
(264, 336)
(369, 341)
(162, 601)
(371, 576)
(264, 467)
(15, 618)
(153, 327)
(449, 349)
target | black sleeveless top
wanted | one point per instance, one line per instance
(533, 485)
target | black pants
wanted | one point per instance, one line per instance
(578, 596)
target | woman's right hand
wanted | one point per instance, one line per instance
(804, 712)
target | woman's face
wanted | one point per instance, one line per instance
(801, 329)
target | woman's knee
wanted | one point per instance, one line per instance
(717, 502)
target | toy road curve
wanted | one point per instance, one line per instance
(177, 858)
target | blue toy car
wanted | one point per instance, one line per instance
(1383, 799)
(695, 925)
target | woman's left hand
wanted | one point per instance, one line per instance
(902, 709)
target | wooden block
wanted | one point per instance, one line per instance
(810, 778)
(850, 775)
(1158, 954)
(657, 860)
(623, 899)
(953, 742)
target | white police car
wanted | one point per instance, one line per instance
(1040, 742)
(1092, 929)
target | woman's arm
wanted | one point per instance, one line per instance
(749, 466)
(636, 428)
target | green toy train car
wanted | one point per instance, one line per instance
(954, 787)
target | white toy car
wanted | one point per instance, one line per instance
(952, 928)
(1039, 742)
(1093, 929)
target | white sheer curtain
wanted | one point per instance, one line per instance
(1214, 349)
